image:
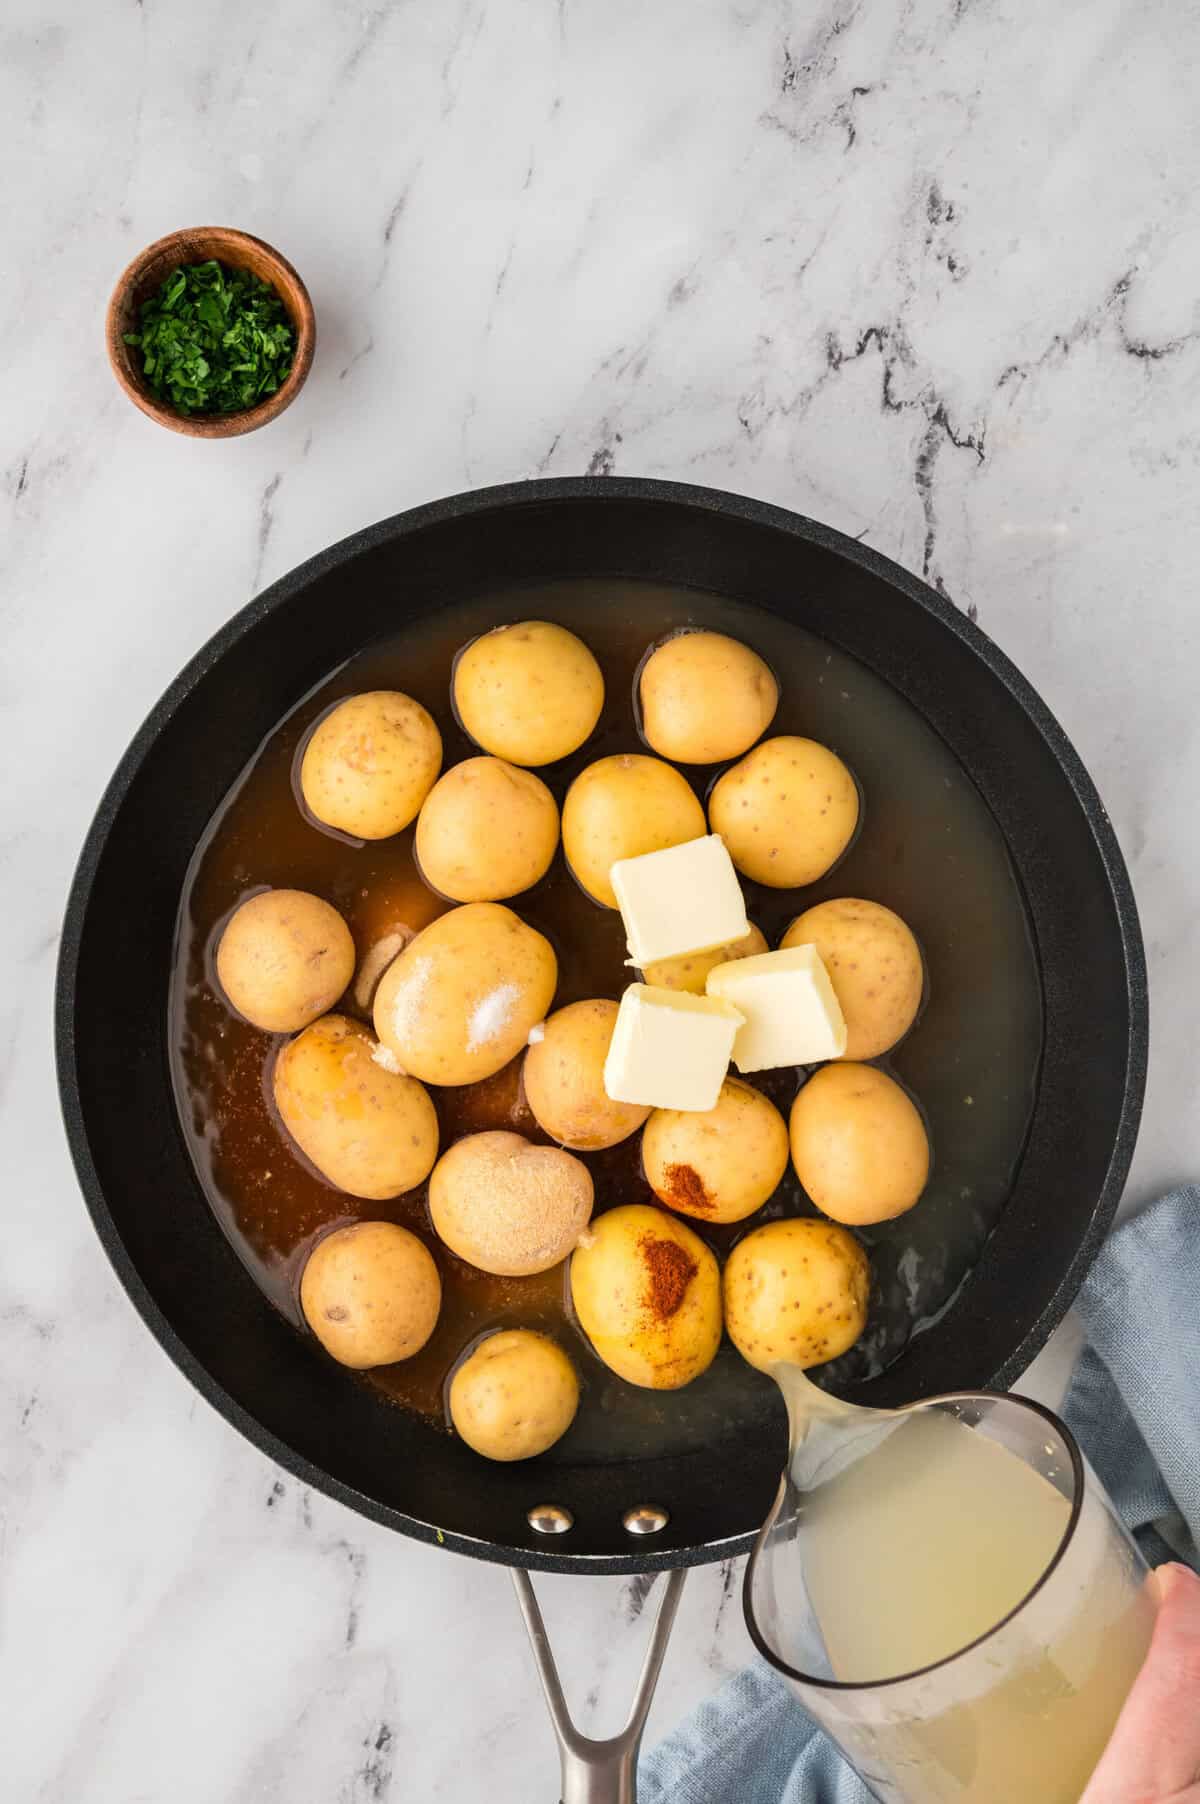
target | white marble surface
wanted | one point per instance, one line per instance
(926, 270)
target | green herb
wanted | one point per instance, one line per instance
(213, 340)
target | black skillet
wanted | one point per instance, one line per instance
(116, 958)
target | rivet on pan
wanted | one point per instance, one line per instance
(646, 1519)
(550, 1519)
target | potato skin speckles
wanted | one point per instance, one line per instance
(284, 958)
(705, 698)
(796, 1293)
(529, 693)
(370, 763)
(787, 812)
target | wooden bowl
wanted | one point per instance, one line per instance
(238, 250)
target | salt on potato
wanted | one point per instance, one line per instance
(460, 1000)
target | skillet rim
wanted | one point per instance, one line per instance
(500, 497)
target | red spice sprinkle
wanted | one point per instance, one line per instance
(685, 1188)
(669, 1271)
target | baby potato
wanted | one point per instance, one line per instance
(514, 1396)
(620, 807)
(796, 1293)
(705, 698)
(647, 1293)
(787, 812)
(720, 1164)
(564, 1079)
(368, 1131)
(370, 763)
(371, 1294)
(284, 958)
(688, 970)
(874, 965)
(486, 830)
(509, 1207)
(531, 693)
(859, 1145)
(461, 998)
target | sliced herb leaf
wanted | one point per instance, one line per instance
(213, 340)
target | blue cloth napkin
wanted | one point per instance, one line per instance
(1134, 1404)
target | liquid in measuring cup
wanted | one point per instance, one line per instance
(984, 1607)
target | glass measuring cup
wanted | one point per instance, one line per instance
(1021, 1712)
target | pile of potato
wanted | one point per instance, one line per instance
(456, 1001)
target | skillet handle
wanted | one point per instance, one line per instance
(598, 1772)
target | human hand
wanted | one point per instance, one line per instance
(1153, 1756)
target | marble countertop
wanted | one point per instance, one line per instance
(925, 269)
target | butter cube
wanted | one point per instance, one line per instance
(684, 899)
(792, 1016)
(670, 1050)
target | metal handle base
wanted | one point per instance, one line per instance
(598, 1772)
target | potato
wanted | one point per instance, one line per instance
(487, 830)
(688, 970)
(564, 1079)
(720, 1164)
(621, 807)
(647, 1293)
(368, 1131)
(370, 763)
(796, 1293)
(787, 812)
(874, 965)
(531, 693)
(705, 698)
(859, 1145)
(509, 1207)
(461, 998)
(371, 1294)
(284, 958)
(514, 1395)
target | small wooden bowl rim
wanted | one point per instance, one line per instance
(197, 244)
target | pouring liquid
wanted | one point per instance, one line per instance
(918, 1534)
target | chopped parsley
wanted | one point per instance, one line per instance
(213, 340)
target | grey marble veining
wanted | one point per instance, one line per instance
(926, 270)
